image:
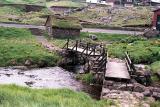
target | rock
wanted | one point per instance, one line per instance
(93, 37)
(108, 83)
(28, 63)
(156, 89)
(150, 33)
(147, 93)
(29, 83)
(8, 74)
(20, 67)
(138, 88)
(21, 73)
(156, 95)
(138, 95)
(129, 87)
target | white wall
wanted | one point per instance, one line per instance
(92, 1)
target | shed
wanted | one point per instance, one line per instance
(62, 27)
(156, 19)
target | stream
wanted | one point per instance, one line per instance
(52, 77)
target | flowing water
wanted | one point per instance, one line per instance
(53, 77)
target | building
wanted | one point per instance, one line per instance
(93, 1)
(62, 27)
(156, 19)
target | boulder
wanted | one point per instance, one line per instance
(150, 33)
(147, 93)
(93, 37)
(28, 63)
(138, 88)
(156, 95)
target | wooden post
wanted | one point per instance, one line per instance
(76, 44)
(87, 49)
(67, 43)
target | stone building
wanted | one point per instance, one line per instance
(62, 27)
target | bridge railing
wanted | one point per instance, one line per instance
(88, 48)
(130, 65)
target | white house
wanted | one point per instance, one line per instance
(93, 1)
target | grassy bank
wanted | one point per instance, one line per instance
(35, 2)
(18, 46)
(65, 3)
(14, 96)
(155, 67)
(18, 15)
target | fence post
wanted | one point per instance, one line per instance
(67, 42)
(76, 44)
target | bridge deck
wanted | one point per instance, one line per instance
(80, 50)
(117, 69)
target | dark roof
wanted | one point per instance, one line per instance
(158, 9)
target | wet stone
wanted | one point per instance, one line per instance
(29, 83)
(156, 95)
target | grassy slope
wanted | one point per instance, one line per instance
(119, 15)
(14, 96)
(18, 45)
(65, 3)
(18, 15)
(37, 2)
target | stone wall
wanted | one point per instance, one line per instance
(62, 33)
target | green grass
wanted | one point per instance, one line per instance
(19, 45)
(66, 3)
(140, 51)
(155, 104)
(18, 15)
(14, 96)
(86, 78)
(36, 2)
(155, 67)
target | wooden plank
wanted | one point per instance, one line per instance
(117, 70)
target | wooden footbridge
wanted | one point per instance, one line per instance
(99, 63)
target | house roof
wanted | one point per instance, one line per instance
(65, 22)
(158, 9)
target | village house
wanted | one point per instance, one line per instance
(112, 3)
(62, 27)
(156, 19)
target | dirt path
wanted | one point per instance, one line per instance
(46, 44)
(96, 30)
(21, 26)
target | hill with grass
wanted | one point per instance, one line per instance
(36, 2)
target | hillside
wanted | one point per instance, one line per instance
(116, 17)
(36, 2)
